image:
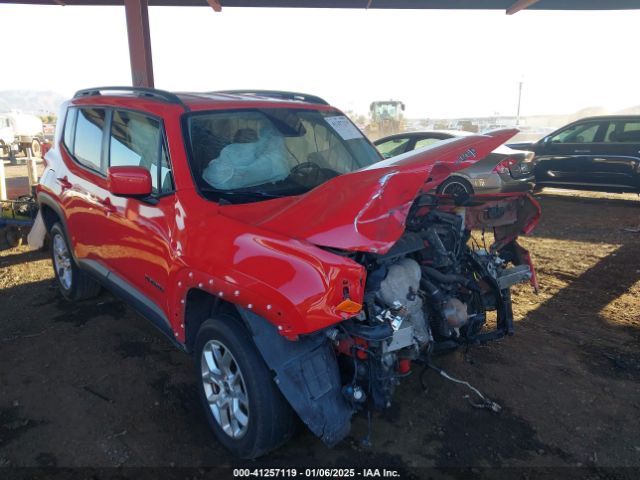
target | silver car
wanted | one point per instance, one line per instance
(504, 170)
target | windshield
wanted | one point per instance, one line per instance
(247, 155)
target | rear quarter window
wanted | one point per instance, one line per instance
(69, 128)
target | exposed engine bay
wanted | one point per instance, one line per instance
(424, 283)
(433, 290)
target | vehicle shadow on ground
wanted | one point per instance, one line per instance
(584, 200)
(24, 257)
(612, 276)
(601, 220)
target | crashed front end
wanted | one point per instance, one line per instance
(428, 284)
(433, 290)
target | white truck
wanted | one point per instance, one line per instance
(19, 132)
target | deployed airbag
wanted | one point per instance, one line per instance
(242, 165)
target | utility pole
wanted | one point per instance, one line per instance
(519, 100)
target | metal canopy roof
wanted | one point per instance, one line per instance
(377, 4)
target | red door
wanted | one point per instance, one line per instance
(139, 232)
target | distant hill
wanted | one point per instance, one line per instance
(29, 101)
(588, 112)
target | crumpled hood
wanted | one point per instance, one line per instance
(366, 210)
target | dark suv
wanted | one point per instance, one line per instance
(595, 153)
(264, 234)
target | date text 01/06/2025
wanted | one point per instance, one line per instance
(315, 473)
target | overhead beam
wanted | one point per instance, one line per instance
(137, 14)
(215, 4)
(520, 5)
(548, 5)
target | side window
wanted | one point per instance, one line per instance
(87, 145)
(69, 128)
(623, 132)
(630, 133)
(580, 133)
(136, 140)
(631, 126)
(424, 142)
(393, 147)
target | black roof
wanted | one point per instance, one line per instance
(608, 117)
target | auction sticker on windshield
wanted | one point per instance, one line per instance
(343, 126)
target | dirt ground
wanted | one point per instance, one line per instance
(93, 384)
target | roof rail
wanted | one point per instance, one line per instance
(139, 91)
(301, 97)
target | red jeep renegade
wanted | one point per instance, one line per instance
(264, 234)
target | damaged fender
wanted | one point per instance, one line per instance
(307, 375)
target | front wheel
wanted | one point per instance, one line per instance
(74, 283)
(246, 411)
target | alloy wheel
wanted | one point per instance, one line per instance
(225, 389)
(62, 261)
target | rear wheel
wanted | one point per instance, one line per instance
(9, 237)
(243, 405)
(455, 186)
(36, 148)
(74, 283)
(12, 237)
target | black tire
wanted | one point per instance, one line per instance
(12, 237)
(537, 189)
(271, 421)
(78, 285)
(455, 186)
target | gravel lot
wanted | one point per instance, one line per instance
(93, 384)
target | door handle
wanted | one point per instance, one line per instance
(582, 151)
(64, 183)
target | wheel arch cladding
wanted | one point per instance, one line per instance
(49, 215)
(200, 306)
(307, 375)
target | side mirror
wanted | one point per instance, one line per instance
(129, 181)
